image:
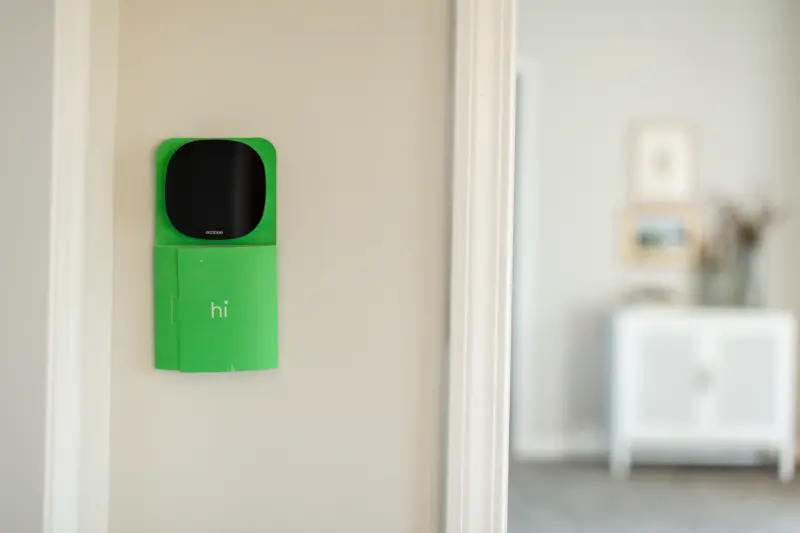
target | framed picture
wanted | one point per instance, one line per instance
(661, 236)
(663, 162)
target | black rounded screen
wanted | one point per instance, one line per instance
(215, 189)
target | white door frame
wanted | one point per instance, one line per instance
(81, 251)
(482, 257)
(69, 130)
(78, 399)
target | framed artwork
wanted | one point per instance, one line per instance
(661, 235)
(663, 162)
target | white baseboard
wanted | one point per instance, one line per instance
(593, 445)
(578, 445)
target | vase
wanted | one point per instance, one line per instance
(745, 287)
(708, 291)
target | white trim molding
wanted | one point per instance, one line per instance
(71, 477)
(70, 110)
(93, 511)
(482, 246)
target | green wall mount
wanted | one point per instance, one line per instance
(216, 301)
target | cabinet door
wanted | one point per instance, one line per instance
(666, 381)
(747, 382)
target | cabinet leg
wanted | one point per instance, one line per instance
(620, 462)
(786, 464)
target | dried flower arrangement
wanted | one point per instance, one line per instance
(732, 253)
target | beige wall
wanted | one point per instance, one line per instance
(346, 435)
(26, 95)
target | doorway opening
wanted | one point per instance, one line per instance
(655, 278)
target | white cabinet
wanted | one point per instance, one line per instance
(701, 383)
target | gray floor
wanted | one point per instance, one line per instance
(584, 499)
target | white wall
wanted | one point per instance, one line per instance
(346, 435)
(26, 93)
(729, 66)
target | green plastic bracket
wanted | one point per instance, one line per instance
(216, 302)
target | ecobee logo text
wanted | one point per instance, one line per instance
(222, 310)
(213, 232)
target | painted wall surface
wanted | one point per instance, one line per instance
(346, 435)
(730, 67)
(26, 93)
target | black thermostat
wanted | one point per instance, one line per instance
(215, 189)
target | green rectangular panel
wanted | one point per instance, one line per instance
(225, 309)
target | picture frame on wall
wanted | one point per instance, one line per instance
(663, 162)
(665, 236)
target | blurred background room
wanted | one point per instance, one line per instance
(657, 275)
